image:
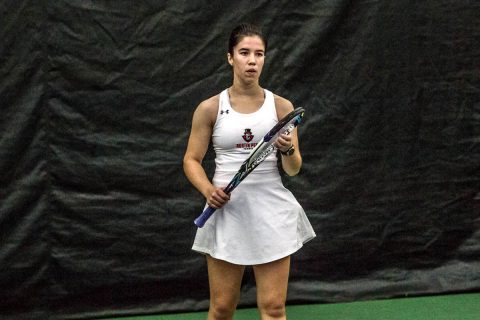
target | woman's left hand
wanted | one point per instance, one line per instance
(284, 142)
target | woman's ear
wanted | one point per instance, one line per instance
(229, 58)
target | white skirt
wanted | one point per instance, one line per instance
(262, 222)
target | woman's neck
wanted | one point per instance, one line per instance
(249, 90)
(246, 99)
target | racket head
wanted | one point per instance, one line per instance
(294, 117)
(265, 147)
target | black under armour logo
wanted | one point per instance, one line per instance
(224, 111)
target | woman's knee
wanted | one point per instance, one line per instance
(222, 309)
(272, 307)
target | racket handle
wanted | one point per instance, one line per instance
(200, 221)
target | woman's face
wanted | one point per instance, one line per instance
(248, 58)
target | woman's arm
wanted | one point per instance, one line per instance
(291, 163)
(200, 135)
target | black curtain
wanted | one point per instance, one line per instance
(96, 99)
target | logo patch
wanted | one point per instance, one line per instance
(247, 135)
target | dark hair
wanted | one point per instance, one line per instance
(245, 30)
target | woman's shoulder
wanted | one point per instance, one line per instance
(209, 107)
(283, 105)
(210, 103)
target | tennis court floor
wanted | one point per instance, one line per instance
(444, 307)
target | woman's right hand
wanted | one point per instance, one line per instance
(217, 198)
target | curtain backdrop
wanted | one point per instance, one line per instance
(96, 98)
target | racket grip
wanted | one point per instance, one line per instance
(200, 221)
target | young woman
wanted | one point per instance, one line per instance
(261, 223)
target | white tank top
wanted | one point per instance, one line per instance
(236, 134)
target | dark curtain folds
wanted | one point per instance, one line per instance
(96, 101)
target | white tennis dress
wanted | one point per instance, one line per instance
(263, 221)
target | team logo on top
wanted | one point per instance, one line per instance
(247, 135)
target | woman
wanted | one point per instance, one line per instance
(261, 224)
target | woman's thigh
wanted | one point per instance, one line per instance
(272, 281)
(225, 280)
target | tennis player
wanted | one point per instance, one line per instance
(261, 223)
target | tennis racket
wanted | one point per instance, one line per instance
(258, 154)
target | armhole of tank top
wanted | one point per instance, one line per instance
(220, 99)
(272, 97)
